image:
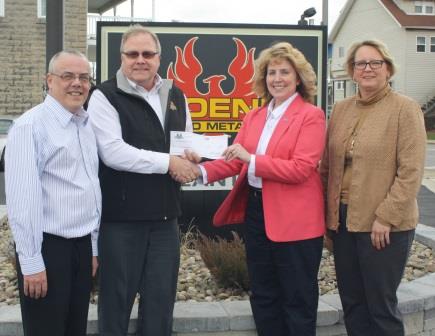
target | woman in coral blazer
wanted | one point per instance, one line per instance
(278, 193)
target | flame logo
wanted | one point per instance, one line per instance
(186, 70)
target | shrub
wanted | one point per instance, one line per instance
(226, 260)
(189, 238)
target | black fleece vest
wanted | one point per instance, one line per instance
(142, 197)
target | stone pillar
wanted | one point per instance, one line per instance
(22, 52)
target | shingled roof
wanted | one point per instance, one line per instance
(408, 20)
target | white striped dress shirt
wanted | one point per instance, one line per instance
(51, 177)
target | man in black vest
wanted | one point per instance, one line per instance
(132, 115)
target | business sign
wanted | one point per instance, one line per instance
(214, 66)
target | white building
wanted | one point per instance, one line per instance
(407, 27)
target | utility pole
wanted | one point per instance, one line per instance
(325, 12)
(153, 8)
(328, 61)
(132, 9)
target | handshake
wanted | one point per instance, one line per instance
(184, 168)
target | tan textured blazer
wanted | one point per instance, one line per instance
(387, 166)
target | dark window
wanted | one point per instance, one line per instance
(340, 51)
(421, 44)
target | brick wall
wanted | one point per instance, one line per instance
(22, 56)
(22, 52)
(75, 21)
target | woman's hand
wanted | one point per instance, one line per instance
(236, 152)
(380, 235)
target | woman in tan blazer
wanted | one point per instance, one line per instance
(372, 170)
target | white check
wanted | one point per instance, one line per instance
(206, 146)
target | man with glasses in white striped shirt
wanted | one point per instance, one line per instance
(54, 202)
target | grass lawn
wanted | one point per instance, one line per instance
(430, 135)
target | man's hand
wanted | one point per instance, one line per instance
(182, 170)
(94, 266)
(35, 285)
(380, 235)
(191, 156)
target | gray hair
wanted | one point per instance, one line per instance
(137, 29)
(52, 63)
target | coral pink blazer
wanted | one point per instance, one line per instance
(292, 190)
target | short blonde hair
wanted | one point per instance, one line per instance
(137, 29)
(379, 46)
(285, 51)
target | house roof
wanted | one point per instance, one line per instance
(100, 6)
(407, 21)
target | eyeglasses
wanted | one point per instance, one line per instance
(68, 77)
(361, 65)
(135, 54)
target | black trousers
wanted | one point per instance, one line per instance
(138, 257)
(64, 310)
(368, 280)
(283, 278)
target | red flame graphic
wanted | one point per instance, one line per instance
(188, 68)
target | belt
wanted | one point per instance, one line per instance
(256, 192)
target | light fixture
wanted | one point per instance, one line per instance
(306, 14)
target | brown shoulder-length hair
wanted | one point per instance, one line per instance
(285, 51)
(379, 46)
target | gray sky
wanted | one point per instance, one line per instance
(230, 11)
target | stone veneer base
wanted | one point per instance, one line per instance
(416, 302)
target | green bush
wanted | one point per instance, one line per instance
(226, 260)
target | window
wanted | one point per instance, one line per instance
(424, 7)
(421, 44)
(2, 7)
(42, 8)
(339, 85)
(432, 44)
(340, 51)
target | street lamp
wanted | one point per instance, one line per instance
(306, 14)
